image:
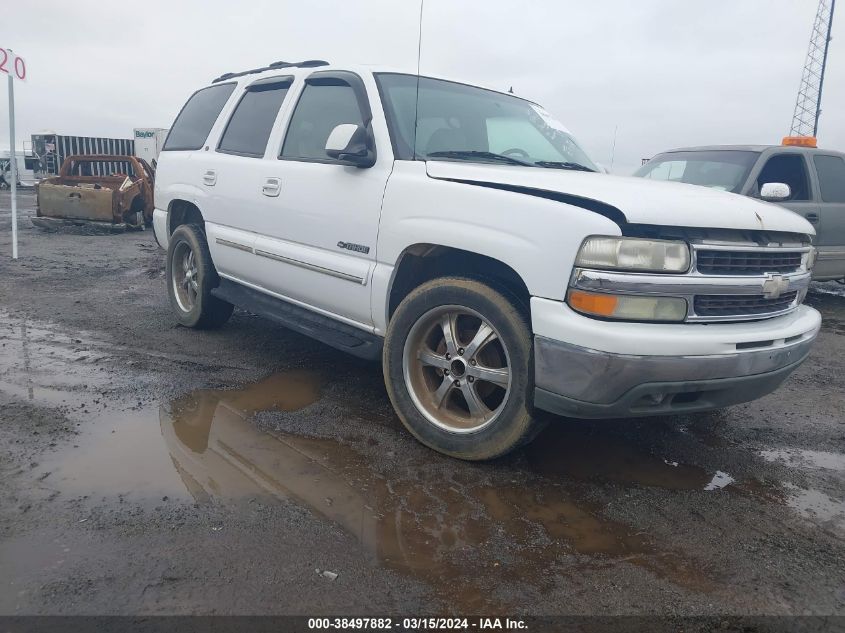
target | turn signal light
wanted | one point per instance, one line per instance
(800, 141)
(589, 303)
(628, 307)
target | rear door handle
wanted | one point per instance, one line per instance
(271, 187)
(210, 177)
(813, 218)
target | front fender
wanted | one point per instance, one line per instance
(536, 237)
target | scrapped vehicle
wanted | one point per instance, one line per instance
(796, 175)
(99, 188)
(460, 235)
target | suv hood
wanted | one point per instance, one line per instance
(641, 201)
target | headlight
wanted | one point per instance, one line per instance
(639, 255)
(628, 307)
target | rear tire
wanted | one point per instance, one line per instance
(190, 278)
(469, 397)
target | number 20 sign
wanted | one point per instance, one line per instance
(11, 64)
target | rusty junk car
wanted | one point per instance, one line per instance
(113, 190)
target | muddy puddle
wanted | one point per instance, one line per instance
(802, 458)
(814, 505)
(450, 531)
(591, 454)
(38, 363)
(200, 447)
(205, 448)
(448, 523)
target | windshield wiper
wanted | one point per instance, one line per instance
(555, 164)
(473, 154)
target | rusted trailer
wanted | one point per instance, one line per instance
(122, 196)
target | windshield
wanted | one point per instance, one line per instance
(726, 170)
(459, 122)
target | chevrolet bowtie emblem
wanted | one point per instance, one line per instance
(774, 286)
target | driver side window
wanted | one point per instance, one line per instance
(321, 108)
(789, 169)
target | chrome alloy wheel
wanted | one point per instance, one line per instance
(457, 369)
(184, 277)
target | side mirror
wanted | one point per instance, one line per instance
(349, 144)
(775, 192)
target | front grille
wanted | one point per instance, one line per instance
(717, 262)
(741, 305)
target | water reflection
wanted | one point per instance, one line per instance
(589, 452)
(464, 528)
(449, 530)
(218, 452)
(805, 459)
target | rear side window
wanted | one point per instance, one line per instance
(831, 171)
(249, 128)
(321, 108)
(191, 128)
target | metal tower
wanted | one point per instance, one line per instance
(805, 121)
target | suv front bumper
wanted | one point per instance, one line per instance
(656, 369)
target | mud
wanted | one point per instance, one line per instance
(147, 468)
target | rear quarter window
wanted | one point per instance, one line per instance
(831, 172)
(191, 128)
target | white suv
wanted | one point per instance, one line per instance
(461, 235)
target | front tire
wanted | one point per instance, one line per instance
(190, 278)
(458, 365)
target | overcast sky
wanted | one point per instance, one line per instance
(667, 73)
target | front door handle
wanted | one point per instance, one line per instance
(813, 218)
(210, 177)
(271, 187)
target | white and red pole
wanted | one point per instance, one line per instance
(14, 163)
(15, 67)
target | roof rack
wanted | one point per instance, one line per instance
(308, 63)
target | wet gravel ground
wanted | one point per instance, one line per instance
(147, 468)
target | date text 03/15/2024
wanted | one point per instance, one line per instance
(410, 623)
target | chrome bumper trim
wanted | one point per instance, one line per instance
(688, 286)
(679, 285)
(598, 377)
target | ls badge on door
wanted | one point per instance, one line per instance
(358, 248)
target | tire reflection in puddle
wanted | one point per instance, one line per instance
(451, 532)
